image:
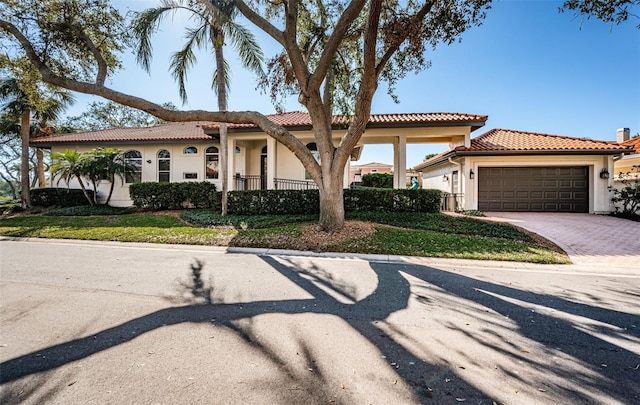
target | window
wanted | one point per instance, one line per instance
(190, 176)
(313, 148)
(211, 162)
(190, 150)
(134, 159)
(455, 178)
(164, 166)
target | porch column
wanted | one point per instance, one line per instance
(231, 163)
(271, 163)
(400, 163)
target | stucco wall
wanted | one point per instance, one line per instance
(180, 163)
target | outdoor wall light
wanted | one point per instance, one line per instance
(149, 161)
(445, 178)
(604, 174)
(472, 175)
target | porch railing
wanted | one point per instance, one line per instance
(250, 182)
(257, 182)
(286, 184)
(452, 202)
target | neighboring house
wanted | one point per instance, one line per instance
(626, 162)
(357, 171)
(507, 170)
(190, 151)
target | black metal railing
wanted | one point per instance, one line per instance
(287, 184)
(452, 202)
(250, 182)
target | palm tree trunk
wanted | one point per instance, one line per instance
(24, 161)
(42, 182)
(84, 190)
(218, 41)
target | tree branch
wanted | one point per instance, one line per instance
(393, 48)
(102, 64)
(334, 41)
(260, 22)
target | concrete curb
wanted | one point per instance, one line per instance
(452, 264)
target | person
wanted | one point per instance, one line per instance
(414, 183)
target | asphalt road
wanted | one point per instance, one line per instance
(111, 323)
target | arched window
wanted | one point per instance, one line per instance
(164, 166)
(190, 150)
(134, 159)
(313, 148)
(211, 162)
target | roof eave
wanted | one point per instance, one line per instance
(540, 152)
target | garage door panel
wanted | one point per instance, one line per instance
(563, 189)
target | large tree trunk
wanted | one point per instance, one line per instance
(332, 202)
(24, 161)
(42, 182)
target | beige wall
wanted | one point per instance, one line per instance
(180, 163)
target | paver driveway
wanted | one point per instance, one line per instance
(588, 239)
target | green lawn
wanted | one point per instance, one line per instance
(431, 235)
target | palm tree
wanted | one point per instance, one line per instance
(214, 25)
(21, 106)
(70, 164)
(107, 163)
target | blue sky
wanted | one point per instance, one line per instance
(528, 67)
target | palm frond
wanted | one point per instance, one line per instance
(184, 59)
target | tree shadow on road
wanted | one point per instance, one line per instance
(397, 286)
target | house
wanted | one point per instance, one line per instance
(507, 170)
(626, 162)
(190, 151)
(357, 171)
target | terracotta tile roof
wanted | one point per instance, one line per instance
(302, 119)
(634, 143)
(176, 131)
(372, 164)
(170, 131)
(507, 139)
(502, 141)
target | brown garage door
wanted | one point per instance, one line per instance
(546, 189)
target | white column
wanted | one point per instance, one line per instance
(271, 162)
(400, 163)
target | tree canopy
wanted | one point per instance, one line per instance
(609, 11)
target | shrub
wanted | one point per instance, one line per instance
(210, 218)
(378, 180)
(173, 196)
(273, 202)
(628, 196)
(87, 210)
(60, 197)
(292, 202)
(392, 200)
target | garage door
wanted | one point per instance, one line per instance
(542, 189)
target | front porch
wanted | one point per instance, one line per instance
(256, 161)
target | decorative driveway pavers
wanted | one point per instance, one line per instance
(588, 239)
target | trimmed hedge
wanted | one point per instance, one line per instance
(273, 202)
(276, 202)
(378, 180)
(173, 196)
(392, 200)
(60, 197)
